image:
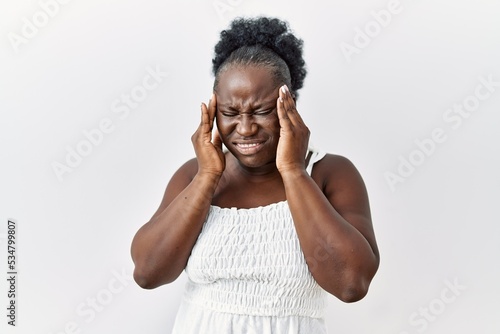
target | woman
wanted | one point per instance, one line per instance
(264, 229)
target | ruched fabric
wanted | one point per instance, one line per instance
(247, 274)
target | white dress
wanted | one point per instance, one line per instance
(247, 275)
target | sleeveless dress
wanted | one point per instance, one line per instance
(247, 275)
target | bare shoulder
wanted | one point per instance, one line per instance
(182, 177)
(342, 184)
(178, 182)
(345, 189)
(334, 162)
(188, 170)
(336, 169)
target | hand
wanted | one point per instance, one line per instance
(294, 135)
(208, 150)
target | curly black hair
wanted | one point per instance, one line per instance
(262, 41)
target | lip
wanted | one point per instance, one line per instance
(248, 147)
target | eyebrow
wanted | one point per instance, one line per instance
(264, 105)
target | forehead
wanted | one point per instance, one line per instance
(246, 82)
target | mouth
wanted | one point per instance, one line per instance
(248, 148)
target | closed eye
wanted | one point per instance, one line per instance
(234, 113)
(229, 113)
(264, 112)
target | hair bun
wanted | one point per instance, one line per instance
(271, 33)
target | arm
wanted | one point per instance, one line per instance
(333, 223)
(161, 248)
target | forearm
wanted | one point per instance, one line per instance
(161, 248)
(339, 257)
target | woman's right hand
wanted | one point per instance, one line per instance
(161, 248)
(208, 149)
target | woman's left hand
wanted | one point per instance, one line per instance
(294, 135)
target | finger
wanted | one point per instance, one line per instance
(217, 140)
(204, 114)
(289, 105)
(206, 126)
(212, 109)
(282, 114)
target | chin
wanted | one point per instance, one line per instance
(255, 161)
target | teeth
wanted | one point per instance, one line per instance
(248, 145)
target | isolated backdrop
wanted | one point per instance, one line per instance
(98, 100)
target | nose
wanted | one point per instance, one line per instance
(246, 126)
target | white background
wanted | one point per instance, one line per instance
(439, 225)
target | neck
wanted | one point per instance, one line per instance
(258, 174)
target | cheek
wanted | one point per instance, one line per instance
(223, 125)
(274, 125)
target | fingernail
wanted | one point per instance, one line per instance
(284, 88)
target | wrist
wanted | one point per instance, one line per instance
(207, 178)
(291, 174)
